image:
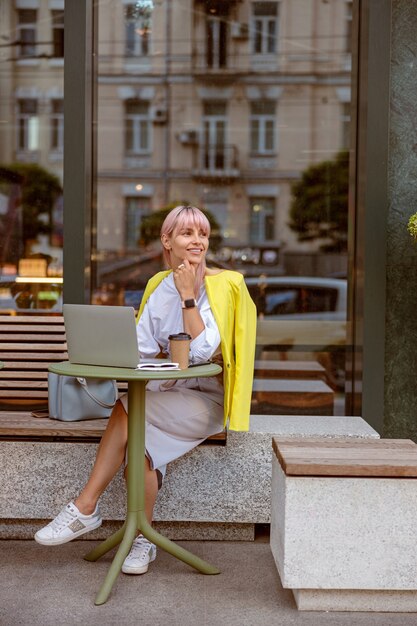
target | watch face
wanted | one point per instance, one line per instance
(189, 304)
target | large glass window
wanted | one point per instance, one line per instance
(199, 123)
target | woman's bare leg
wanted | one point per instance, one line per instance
(110, 456)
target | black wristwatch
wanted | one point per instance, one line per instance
(188, 304)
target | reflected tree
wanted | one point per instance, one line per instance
(319, 207)
(39, 190)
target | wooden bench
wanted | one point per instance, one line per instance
(28, 344)
(344, 522)
(267, 368)
(292, 397)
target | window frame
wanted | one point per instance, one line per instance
(56, 126)
(139, 122)
(258, 123)
(30, 26)
(23, 126)
(260, 31)
(58, 33)
(142, 43)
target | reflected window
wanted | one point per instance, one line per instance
(57, 125)
(214, 124)
(262, 127)
(26, 32)
(349, 9)
(58, 34)
(28, 124)
(216, 43)
(345, 125)
(137, 127)
(262, 219)
(136, 209)
(138, 28)
(264, 27)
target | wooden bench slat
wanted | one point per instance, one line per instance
(25, 394)
(32, 319)
(339, 442)
(25, 425)
(24, 365)
(36, 356)
(19, 384)
(291, 386)
(35, 347)
(35, 328)
(41, 337)
(379, 458)
(6, 375)
(289, 369)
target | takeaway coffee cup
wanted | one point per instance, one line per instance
(179, 347)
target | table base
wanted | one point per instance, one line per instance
(125, 536)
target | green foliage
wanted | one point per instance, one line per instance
(412, 226)
(150, 227)
(40, 189)
(319, 208)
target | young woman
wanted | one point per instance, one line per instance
(215, 308)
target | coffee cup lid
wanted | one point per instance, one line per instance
(180, 336)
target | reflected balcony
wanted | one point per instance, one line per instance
(216, 162)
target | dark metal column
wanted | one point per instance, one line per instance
(78, 148)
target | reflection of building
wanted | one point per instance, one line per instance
(31, 83)
(31, 88)
(220, 104)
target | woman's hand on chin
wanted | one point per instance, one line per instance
(184, 279)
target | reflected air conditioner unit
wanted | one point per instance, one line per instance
(239, 30)
(188, 137)
(159, 114)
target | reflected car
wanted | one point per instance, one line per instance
(299, 297)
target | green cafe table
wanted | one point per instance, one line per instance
(136, 517)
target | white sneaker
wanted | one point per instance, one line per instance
(141, 554)
(68, 525)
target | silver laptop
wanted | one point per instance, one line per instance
(101, 335)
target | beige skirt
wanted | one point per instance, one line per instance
(177, 420)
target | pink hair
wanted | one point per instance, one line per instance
(180, 217)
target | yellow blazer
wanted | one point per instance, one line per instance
(235, 315)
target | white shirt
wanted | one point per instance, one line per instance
(162, 316)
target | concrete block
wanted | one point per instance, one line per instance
(333, 536)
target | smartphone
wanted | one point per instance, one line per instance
(198, 364)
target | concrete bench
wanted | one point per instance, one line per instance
(344, 523)
(213, 492)
(286, 396)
